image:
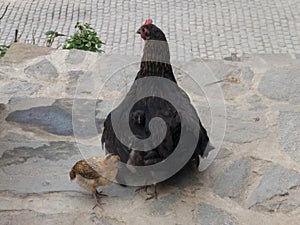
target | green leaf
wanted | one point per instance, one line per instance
(49, 32)
(77, 24)
(77, 42)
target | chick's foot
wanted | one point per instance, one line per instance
(97, 199)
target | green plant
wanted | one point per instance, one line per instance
(51, 35)
(3, 49)
(85, 38)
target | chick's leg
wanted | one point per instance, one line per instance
(97, 196)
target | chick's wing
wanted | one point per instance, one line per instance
(98, 165)
(84, 169)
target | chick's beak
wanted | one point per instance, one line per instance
(72, 175)
(139, 31)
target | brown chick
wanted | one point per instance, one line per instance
(94, 172)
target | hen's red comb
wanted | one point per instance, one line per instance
(148, 21)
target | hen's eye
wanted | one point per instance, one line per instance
(145, 31)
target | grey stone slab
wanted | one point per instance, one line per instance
(233, 80)
(275, 181)
(64, 117)
(233, 182)
(281, 84)
(223, 153)
(104, 108)
(54, 151)
(188, 177)
(256, 102)
(2, 108)
(18, 87)
(124, 193)
(289, 133)
(20, 52)
(96, 219)
(49, 118)
(84, 120)
(38, 169)
(277, 60)
(75, 56)
(43, 70)
(73, 79)
(284, 203)
(247, 75)
(13, 140)
(242, 125)
(24, 102)
(35, 218)
(164, 205)
(2, 74)
(208, 214)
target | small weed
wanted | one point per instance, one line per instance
(85, 38)
(3, 49)
(51, 35)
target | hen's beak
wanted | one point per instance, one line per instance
(138, 31)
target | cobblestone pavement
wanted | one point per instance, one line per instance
(205, 28)
(50, 103)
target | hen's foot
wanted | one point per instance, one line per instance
(144, 188)
(152, 195)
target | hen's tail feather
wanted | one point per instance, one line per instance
(208, 156)
(209, 147)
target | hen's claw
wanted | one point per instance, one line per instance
(144, 188)
(151, 195)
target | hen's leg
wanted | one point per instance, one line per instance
(153, 194)
(143, 188)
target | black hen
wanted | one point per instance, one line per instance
(155, 63)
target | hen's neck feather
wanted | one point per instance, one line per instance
(156, 61)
